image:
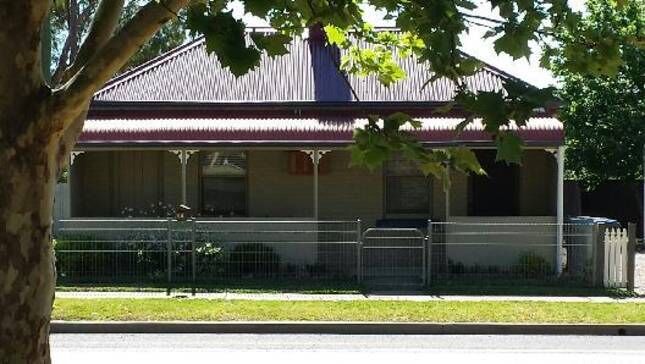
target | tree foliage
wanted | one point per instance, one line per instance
(604, 116)
(71, 19)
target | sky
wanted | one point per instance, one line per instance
(473, 44)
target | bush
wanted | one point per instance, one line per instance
(209, 260)
(531, 265)
(81, 258)
(253, 260)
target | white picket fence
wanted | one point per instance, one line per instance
(615, 275)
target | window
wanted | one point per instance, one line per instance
(407, 191)
(223, 183)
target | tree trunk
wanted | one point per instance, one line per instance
(27, 272)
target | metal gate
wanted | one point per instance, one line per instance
(393, 258)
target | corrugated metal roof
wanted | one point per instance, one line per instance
(307, 73)
(289, 131)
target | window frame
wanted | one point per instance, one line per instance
(427, 211)
(202, 177)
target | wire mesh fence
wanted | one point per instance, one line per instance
(205, 252)
(110, 251)
(506, 252)
(393, 258)
(300, 254)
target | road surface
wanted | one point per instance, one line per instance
(338, 349)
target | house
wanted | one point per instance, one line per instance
(181, 129)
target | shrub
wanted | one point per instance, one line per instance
(209, 260)
(531, 265)
(253, 260)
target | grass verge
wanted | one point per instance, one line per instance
(397, 311)
(517, 289)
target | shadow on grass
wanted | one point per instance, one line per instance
(232, 286)
(338, 287)
(526, 291)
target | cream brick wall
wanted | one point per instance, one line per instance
(349, 193)
(272, 192)
(344, 193)
(538, 184)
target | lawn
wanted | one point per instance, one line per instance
(399, 311)
(519, 288)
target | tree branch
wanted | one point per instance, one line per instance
(105, 21)
(73, 97)
(67, 55)
(497, 22)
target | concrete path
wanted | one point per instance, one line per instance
(339, 297)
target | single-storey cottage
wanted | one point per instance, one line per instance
(181, 129)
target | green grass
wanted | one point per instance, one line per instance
(242, 286)
(459, 288)
(398, 311)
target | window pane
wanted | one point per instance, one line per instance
(400, 166)
(407, 194)
(231, 164)
(225, 196)
(223, 183)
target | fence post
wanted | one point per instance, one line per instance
(598, 239)
(631, 255)
(193, 254)
(359, 252)
(428, 263)
(169, 256)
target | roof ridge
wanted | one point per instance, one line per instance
(497, 71)
(151, 64)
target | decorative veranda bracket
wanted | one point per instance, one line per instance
(315, 154)
(554, 151)
(73, 156)
(179, 154)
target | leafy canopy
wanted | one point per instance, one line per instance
(604, 117)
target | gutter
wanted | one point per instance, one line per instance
(342, 328)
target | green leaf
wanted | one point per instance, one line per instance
(465, 160)
(335, 35)
(436, 169)
(225, 37)
(259, 8)
(509, 147)
(274, 44)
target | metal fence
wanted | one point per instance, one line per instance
(339, 253)
(170, 251)
(502, 252)
(393, 258)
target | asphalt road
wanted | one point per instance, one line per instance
(337, 349)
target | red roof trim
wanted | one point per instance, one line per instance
(354, 109)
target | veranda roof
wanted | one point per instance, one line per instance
(289, 131)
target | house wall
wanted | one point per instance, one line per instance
(107, 183)
(343, 193)
(538, 184)
(104, 183)
(272, 192)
